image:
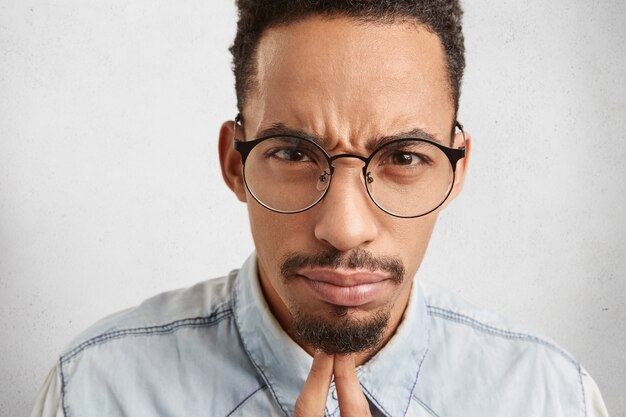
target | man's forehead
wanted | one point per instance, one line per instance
(316, 47)
(338, 77)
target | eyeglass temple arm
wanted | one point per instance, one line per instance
(237, 120)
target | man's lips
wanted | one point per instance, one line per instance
(345, 288)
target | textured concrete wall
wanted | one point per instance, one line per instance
(110, 190)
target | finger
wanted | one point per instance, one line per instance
(352, 401)
(312, 399)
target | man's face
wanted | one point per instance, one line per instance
(343, 266)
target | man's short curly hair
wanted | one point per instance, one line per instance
(443, 17)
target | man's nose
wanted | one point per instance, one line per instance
(346, 217)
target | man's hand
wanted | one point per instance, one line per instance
(312, 399)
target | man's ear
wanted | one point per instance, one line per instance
(461, 165)
(230, 161)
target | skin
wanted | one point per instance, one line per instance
(312, 399)
(348, 82)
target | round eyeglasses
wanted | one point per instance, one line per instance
(405, 177)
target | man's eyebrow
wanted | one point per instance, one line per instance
(279, 128)
(415, 133)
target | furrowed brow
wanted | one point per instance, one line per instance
(280, 129)
(416, 133)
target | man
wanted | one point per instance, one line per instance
(345, 151)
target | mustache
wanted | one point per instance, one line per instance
(333, 258)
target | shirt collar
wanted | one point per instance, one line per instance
(387, 379)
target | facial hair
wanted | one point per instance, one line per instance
(341, 333)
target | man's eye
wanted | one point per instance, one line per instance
(407, 159)
(290, 154)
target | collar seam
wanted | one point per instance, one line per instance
(375, 401)
(425, 406)
(246, 399)
(238, 324)
(419, 369)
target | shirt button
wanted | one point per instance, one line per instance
(334, 395)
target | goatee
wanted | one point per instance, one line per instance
(341, 333)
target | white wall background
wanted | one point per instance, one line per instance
(110, 190)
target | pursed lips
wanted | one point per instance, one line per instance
(342, 278)
(344, 287)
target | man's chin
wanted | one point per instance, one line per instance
(341, 331)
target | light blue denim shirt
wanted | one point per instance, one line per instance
(215, 349)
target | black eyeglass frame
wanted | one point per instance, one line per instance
(244, 148)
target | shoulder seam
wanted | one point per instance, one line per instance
(63, 384)
(221, 312)
(463, 319)
(582, 389)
